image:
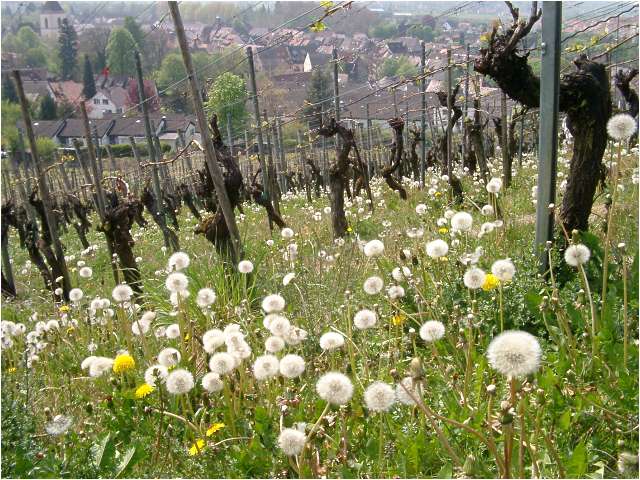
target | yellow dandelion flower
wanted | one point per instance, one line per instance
(398, 319)
(442, 230)
(144, 390)
(438, 194)
(70, 330)
(444, 259)
(197, 447)
(186, 337)
(214, 428)
(349, 229)
(64, 309)
(123, 363)
(12, 370)
(490, 282)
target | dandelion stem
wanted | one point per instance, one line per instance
(592, 307)
(625, 316)
(501, 308)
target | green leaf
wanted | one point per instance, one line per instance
(126, 461)
(103, 451)
(318, 27)
(445, 472)
(577, 463)
(565, 420)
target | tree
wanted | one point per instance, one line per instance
(94, 43)
(89, 88)
(120, 50)
(397, 66)
(171, 73)
(9, 90)
(136, 32)
(228, 95)
(47, 109)
(68, 49)
(36, 57)
(10, 113)
(149, 93)
(383, 30)
(320, 89)
(26, 39)
(423, 32)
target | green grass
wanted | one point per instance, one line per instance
(580, 410)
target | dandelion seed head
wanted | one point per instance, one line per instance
(59, 425)
(504, 270)
(75, 295)
(365, 319)
(373, 285)
(379, 397)
(154, 374)
(287, 278)
(437, 248)
(286, 233)
(273, 303)
(431, 331)
(121, 293)
(621, 126)
(291, 441)
(212, 340)
(266, 367)
(169, 357)
(85, 272)
(576, 255)
(374, 248)
(291, 366)
(274, 344)
(179, 381)
(414, 388)
(178, 261)
(295, 335)
(222, 363)
(173, 331)
(177, 282)
(331, 341)
(99, 366)
(335, 388)
(278, 325)
(514, 353)
(140, 327)
(205, 297)
(461, 222)
(395, 291)
(245, 266)
(494, 185)
(474, 278)
(212, 382)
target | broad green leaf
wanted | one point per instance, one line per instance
(565, 420)
(126, 461)
(103, 451)
(577, 463)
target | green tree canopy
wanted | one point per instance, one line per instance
(88, 80)
(26, 38)
(383, 30)
(136, 32)
(171, 73)
(9, 92)
(10, 113)
(120, 50)
(47, 110)
(67, 49)
(397, 66)
(228, 95)
(36, 57)
(319, 89)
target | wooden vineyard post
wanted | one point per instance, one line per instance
(209, 150)
(229, 138)
(256, 116)
(336, 93)
(504, 140)
(44, 191)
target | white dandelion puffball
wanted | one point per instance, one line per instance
(335, 388)
(169, 357)
(474, 278)
(274, 344)
(291, 366)
(373, 285)
(212, 383)
(331, 341)
(431, 331)
(245, 266)
(437, 248)
(75, 294)
(177, 282)
(503, 269)
(99, 366)
(421, 209)
(514, 353)
(487, 210)
(205, 297)
(576, 255)
(295, 335)
(395, 292)
(122, 293)
(222, 363)
(212, 340)
(286, 233)
(278, 325)
(266, 367)
(401, 274)
(365, 319)
(86, 363)
(291, 441)
(273, 303)
(178, 261)
(414, 388)
(494, 185)
(374, 248)
(286, 280)
(140, 327)
(621, 126)
(379, 397)
(85, 272)
(173, 331)
(155, 373)
(59, 425)
(461, 222)
(179, 381)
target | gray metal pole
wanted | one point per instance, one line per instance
(504, 140)
(229, 138)
(336, 92)
(465, 107)
(449, 128)
(548, 130)
(256, 114)
(423, 113)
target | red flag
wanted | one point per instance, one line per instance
(105, 72)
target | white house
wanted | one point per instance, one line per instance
(51, 16)
(113, 100)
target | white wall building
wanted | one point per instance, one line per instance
(51, 16)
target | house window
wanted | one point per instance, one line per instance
(46, 23)
(105, 101)
(59, 21)
(96, 101)
(118, 110)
